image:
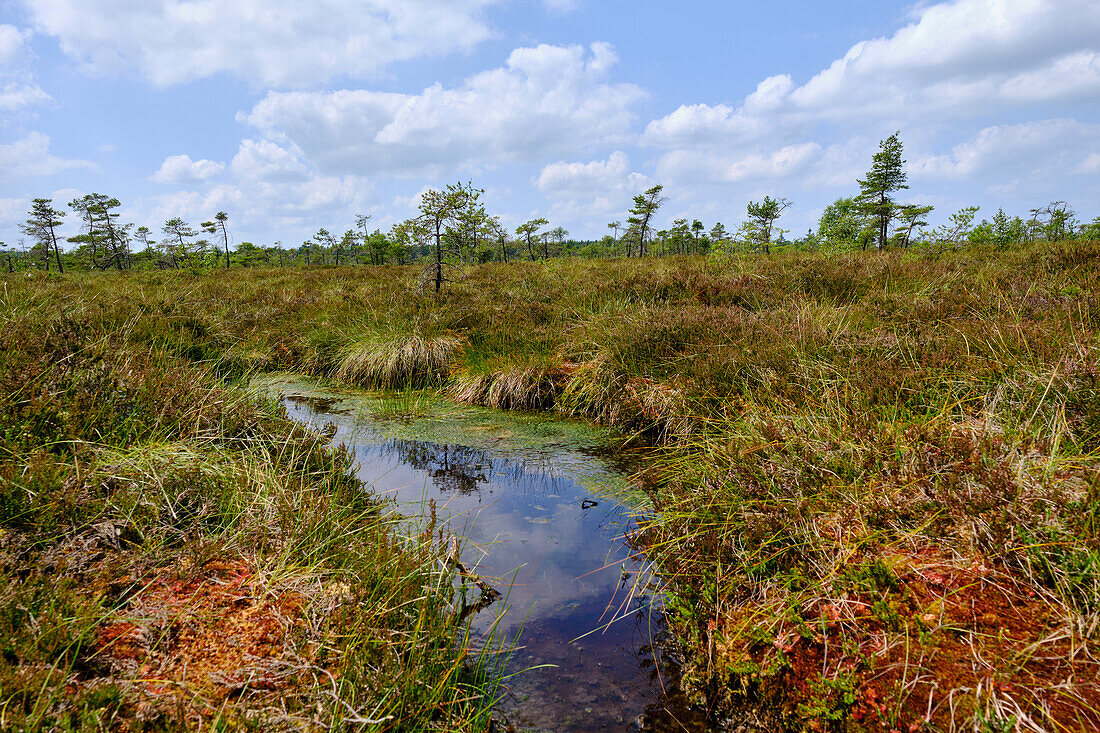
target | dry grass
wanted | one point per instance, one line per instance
(399, 361)
(642, 406)
(530, 385)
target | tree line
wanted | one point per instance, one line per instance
(452, 226)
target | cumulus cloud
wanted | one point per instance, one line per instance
(957, 59)
(938, 79)
(181, 169)
(1091, 164)
(268, 161)
(290, 209)
(963, 53)
(30, 156)
(697, 165)
(545, 101)
(18, 86)
(13, 209)
(595, 188)
(271, 42)
(1040, 148)
(586, 178)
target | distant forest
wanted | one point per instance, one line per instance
(453, 226)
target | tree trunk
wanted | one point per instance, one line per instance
(57, 252)
(438, 258)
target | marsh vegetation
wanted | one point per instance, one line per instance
(873, 500)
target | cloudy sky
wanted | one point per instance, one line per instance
(293, 115)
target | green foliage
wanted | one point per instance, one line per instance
(1092, 230)
(762, 218)
(886, 177)
(641, 215)
(843, 227)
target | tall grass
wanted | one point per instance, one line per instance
(407, 360)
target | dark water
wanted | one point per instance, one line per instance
(544, 524)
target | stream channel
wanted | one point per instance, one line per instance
(544, 505)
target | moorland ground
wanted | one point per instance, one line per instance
(873, 494)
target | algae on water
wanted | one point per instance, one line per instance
(566, 445)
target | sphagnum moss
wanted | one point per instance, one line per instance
(877, 502)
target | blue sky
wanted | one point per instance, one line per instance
(291, 116)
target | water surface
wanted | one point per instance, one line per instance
(545, 509)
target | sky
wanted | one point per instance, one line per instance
(291, 115)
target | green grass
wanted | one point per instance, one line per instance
(826, 424)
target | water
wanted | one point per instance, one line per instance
(545, 509)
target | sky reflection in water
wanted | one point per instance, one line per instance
(539, 509)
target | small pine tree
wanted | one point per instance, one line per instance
(887, 175)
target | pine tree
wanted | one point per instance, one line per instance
(219, 226)
(886, 176)
(645, 206)
(763, 216)
(42, 225)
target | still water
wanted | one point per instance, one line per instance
(545, 509)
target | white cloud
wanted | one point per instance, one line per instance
(545, 101)
(30, 156)
(1091, 164)
(1037, 149)
(940, 79)
(181, 169)
(270, 42)
(1073, 77)
(701, 125)
(12, 45)
(291, 209)
(596, 188)
(560, 6)
(193, 206)
(958, 60)
(587, 178)
(265, 160)
(704, 167)
(13, 209)
(958, 54)
(18, 87)
(410, 203)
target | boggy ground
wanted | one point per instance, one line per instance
(175, 555)
(875, 504)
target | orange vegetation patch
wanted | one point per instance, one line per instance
(942, 647)
(213, 634)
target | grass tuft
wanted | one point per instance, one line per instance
(398, 361)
